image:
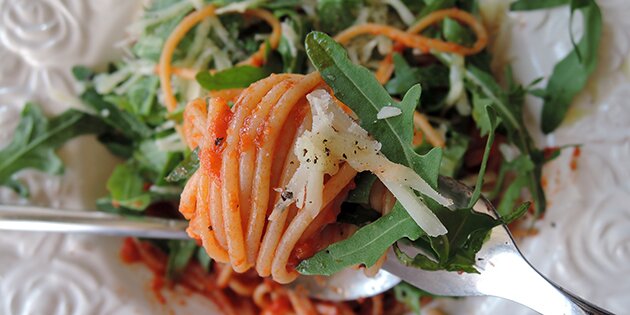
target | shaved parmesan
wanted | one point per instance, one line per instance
(336, 138)
(388, 112)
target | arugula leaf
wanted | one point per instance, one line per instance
(571, 74)
(516, 213)
(456, 33)
(142, 95)
(290, 47)
(487, 123)
(149, 156)
(521, 166)
(365, 246)
(406, 76)
(126, 186)
(527, 5)
(179, 255)
(185, 169)
(82, 73)
(454, 151)
(356, 214)
(123, 122)
(235, 77)
(35, 141)
(455, 251)
(410, 296)
(510, 114)
(204, 260)
(363, 185)
(436, 5)
(337, 15)
(161, 18)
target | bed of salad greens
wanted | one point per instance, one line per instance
(122, 107)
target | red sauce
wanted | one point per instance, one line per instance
(574, 158)
(129, 252)
(303, 250)
(278, 306)
(157, 284)
(210, 156)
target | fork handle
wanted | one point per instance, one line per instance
(40, 219)
(512, 277)
(584, 305)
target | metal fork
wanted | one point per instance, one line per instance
(503, 272)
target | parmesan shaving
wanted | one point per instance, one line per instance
(405, 14)
(388, 112)
(336, 138)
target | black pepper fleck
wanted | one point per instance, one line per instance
(218, 141)
(286, 195)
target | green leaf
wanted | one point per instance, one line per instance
(126, 187)
(290, 47)
(82, 73)
(521, 166)
(436, 5)
(142, 95)
(406, 76)
(365, 246)
(179, 255)
(527, 5)
(453, 156)
(410, 296)
(161, 20)
(516, 213)
(236, 77)
(150, 157)
(510, 113)
(185, 169)
(455, 251)
(204, 260)
(356, 214)
(363, 185)
(456, 33)
(487, 122)
(123, 122)
(337, 15)
(36, 139)
(570, 75)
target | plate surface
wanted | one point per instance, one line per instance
(584, 239)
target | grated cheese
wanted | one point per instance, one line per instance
(388, 112)
(336, 138)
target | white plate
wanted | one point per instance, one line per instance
(584, 240)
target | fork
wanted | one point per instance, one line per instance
(503, 272)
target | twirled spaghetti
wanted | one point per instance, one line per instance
(244, 158)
